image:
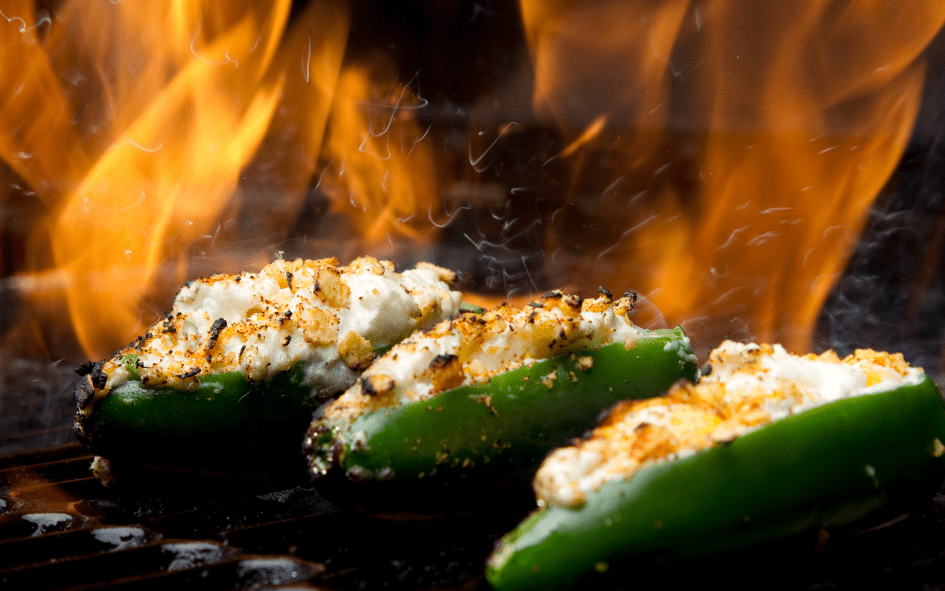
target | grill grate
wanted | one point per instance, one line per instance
(60, 529)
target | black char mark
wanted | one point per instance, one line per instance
(86, 368)
(189, 374)
(215, 328)
(376, 385)
(94, 371)
(441, 361)
(83, 394)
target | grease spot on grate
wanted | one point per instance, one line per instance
(47, 522)
(275, 571)
(192, 554)
(121, 537)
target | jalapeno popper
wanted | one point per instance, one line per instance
(481, 399)
(240, 362)
(767, 445)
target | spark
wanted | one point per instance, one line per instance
(626, 233)
(321, 176)
(213, 237)
(733, 235)
(834, 229)
(193, 50)
(450, 216)
(417, 141)
(45, 20)
(506, 224)
(140, 147)
(526, 229)
(807, 255)
(635, 198)
(727, 295)
(762, 239)
(354, 203)
(714, 271)
(475, 162)
(611, 186)
(397, 106)
(306, 63)
(365, 142)
(393, 116)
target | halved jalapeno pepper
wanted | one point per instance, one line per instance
(850, 462)
(431, 413)
(230, 377)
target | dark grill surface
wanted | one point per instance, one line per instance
(59, 528)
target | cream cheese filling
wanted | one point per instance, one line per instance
(326, 317)
(474, 348)
(749, 386)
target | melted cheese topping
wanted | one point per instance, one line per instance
(749, 386)
(474, 348)
(327, 317)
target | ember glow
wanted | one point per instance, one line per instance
(718, 157)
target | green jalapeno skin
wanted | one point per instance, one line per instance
(503, 427)
(225, 420)
(233, 372)
(855, 461)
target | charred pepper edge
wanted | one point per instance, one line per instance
(431, 437)
(698, 505)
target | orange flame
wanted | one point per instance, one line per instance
(386, 175)
(137, 155)
(742, 143)
(756, 136)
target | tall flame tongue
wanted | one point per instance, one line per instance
(133, 123)
(385, 174)
(723, 155)
(746, 140)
